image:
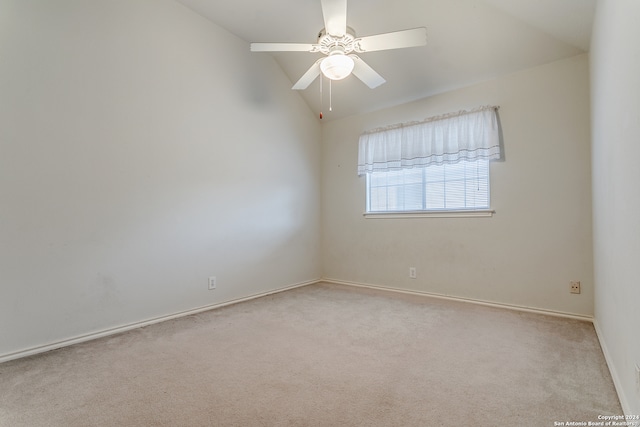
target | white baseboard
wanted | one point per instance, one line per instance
(624, 402)
(626, 408)
(468, 300)
(116, 330)
(112, 331)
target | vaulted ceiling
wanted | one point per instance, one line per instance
(468, 41)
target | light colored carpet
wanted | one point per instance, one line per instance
(322, 355)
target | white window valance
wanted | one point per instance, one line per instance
(450, 138)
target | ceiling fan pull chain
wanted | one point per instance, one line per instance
(321, 96)
(330, 104)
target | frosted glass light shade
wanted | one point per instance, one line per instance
(336, 67)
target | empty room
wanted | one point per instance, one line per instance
(319, 213)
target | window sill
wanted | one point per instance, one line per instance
(430, 214)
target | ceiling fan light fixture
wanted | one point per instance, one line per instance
(337, 66)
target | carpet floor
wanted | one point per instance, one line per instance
(322, 355)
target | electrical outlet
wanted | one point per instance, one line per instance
(412, 272)
(575, 287)
(212, 282)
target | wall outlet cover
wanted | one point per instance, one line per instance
(575, 287)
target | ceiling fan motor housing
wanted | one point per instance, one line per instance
(328, 44)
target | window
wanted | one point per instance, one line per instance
(458, 186)
(438, 165)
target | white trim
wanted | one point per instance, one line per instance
(626, 408)
(431, 214)
(119, 329)
(112, 331)
(515, 307)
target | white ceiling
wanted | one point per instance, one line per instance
(468, 41)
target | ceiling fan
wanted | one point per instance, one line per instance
(338, 42)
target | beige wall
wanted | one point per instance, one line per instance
(615, 88)
(538, 240)
(143, 149)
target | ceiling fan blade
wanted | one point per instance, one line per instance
(395, 40)
(335, 17)
(365, 73)
(308, 77)
(281, 47)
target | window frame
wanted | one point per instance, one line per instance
(433, 213)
